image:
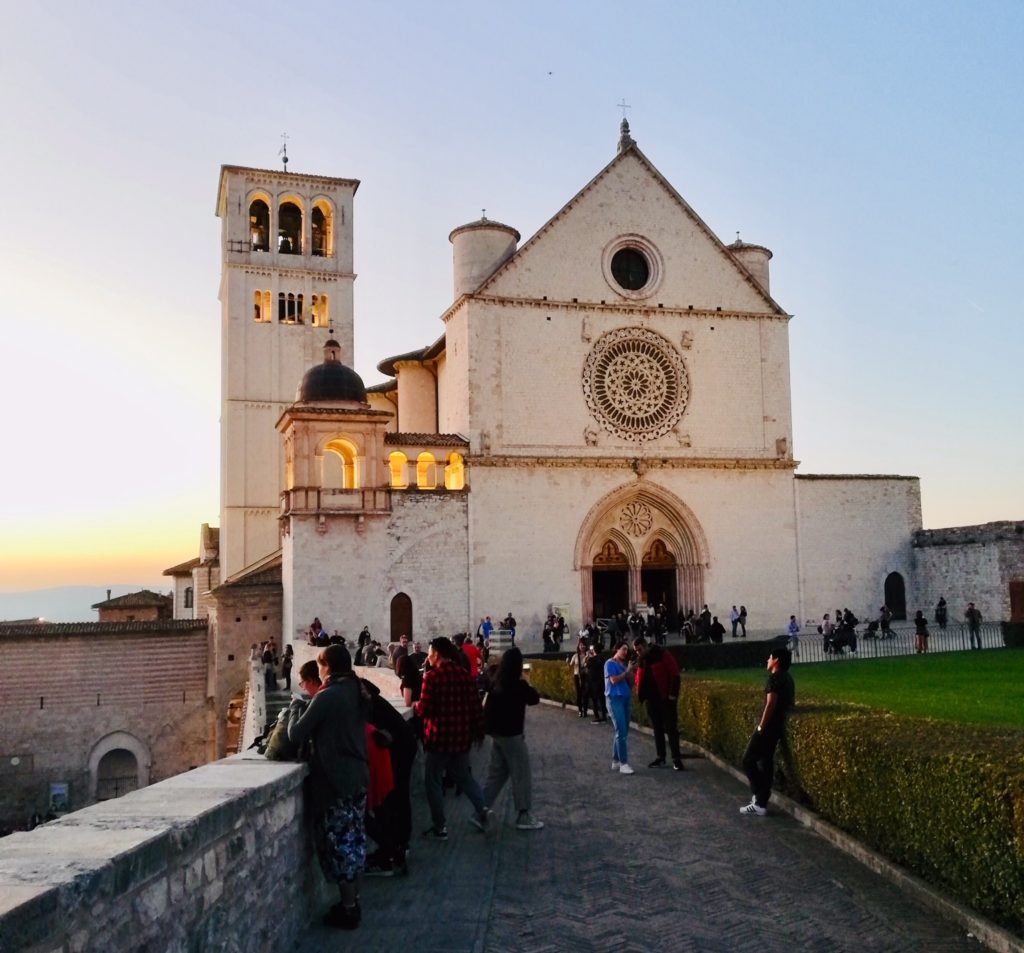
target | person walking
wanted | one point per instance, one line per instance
(577, 662)
(794, 634)
(504, 720)
(453, 722)
(618, 673)
(286, 666)
(759, 758)
(593, 667)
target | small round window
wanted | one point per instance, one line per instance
(632, 266)
(630, 269)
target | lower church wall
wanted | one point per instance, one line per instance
(348, 574)
(854, 531)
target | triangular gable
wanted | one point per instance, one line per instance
(488, 286)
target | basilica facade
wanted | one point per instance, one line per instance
(603, 419)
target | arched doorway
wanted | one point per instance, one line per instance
(658, 577)
(644, 540)
(896, 596)
(118, 763)
(117, 774)
(610, 582)
(401, 617)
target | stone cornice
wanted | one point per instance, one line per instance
(615, 307)
(286, 272)
(639, 465)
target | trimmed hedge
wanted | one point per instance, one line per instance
(946, 801)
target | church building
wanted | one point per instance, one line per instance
(603, 419)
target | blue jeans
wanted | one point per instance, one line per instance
(433, 777)
(618, 708)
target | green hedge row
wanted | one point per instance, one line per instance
(945, 801)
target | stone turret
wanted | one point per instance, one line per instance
(755, 259)
(479, 248)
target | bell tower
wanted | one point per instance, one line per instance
(286, 278)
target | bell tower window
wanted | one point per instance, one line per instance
(289, 308)
(321, 312)
(289, 231)
(322, 221)
(259, 225)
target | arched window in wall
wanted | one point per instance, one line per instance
(261, 306)
(321, 311)
(188, 597)
(322, 222)
(396, 464)
(289, 229)
(339, 466)
(259, 225)
(426, 471)
(289, 308)
(455, 473)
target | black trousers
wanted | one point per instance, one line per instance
(597, 699)
(582, 694)
(390, 824)
(664, 716)
(759, 765)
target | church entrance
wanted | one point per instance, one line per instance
(401, 617)
(641, 544)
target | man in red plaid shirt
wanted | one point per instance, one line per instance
(453, 721)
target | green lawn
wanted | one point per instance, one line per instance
(976, 688)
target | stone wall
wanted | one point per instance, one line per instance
(74, 691)
(853, 531)
(177, 867)
(970, 564)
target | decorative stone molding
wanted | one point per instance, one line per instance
(629, 463)
(636, 518)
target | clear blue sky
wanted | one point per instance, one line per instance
(875, 147)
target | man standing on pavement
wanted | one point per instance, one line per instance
(734, 618)
(657, 686)
(759, 758)
(453, 721)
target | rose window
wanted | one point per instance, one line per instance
(635, 384)
(636, 519)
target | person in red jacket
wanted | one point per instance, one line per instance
(657, 686)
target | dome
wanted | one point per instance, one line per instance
(331, 380)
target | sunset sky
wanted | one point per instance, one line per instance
(875, 147)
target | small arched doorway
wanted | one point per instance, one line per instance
(658, 576)
(401, 617)
(896, 596)
(117, 774)
(610, 581)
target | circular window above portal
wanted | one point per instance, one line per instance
(632, 266)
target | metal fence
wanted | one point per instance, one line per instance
(954, 638)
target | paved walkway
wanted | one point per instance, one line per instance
(659, 861)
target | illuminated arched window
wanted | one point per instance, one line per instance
(339, 466)
(259, 225)
(396, 464)
(454, 473)
(321, 311)
(322, 222)
(289, 229)
(426, 471)
(261, 306)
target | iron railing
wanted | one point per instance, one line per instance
(954, 638)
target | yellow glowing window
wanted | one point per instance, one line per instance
(339, 468)
(396, 464)
(455, 473)
(426, 471)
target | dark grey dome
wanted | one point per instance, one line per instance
(332, 380)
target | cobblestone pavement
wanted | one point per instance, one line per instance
(658, 861)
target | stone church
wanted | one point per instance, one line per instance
(604, 420)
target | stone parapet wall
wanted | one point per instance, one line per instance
(213, 859)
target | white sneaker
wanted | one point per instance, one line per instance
(626, 769)
(615, 765)
(753, 808)
(527, 822)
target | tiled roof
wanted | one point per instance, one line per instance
(182, 569)
(427, 439)
(52, 629)
(267, 572)
(136, 600)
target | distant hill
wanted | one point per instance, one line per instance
(66, 603)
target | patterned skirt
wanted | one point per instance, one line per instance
(340, 837)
